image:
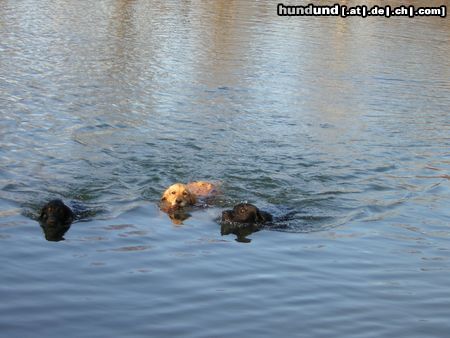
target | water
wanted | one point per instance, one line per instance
(342, 124)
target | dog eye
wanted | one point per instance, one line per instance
(184, 193)
(173, 192)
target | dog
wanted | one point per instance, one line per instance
(203, 189)
(180, 195)
(246, 213)
(55, 219)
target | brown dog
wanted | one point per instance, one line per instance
(56, 213)
(181, 195)
(55, 219)
(246, 213)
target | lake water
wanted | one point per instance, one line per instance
(341, 124)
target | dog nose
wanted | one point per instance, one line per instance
(51, 221)
(178, 200)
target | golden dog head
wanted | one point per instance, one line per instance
(178, 195)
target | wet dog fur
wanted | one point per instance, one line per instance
(55, 219)
(180, 195)
(246, 213)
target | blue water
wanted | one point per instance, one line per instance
(340, 124)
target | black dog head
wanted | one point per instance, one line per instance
(246, 213)
(56, 213)
(55, 220)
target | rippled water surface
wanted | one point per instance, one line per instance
(338, 127)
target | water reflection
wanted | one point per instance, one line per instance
(241, 231)
(334, 125)
(54, 233)
(178, 216)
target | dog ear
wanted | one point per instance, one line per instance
(43, 213)
(163, 198)
(69, 215)
(259, 218)
(265, 216)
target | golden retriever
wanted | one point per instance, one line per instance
(182, 195)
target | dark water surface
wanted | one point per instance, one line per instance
(342, 124)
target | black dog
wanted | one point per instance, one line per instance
(55, 219)
(246, 213)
